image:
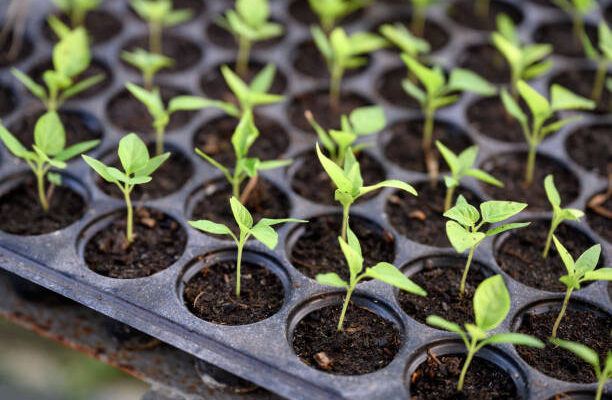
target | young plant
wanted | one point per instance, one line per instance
(77, 10)
(261, 231)
(603, 57)
(342, 52)
(49, 151)
(382, 271)
(419, 15)
(582, 270)
(589, 355)
(137, 170)
(349, 184)
(249, 23)
(148, 64)
(159, 14)
(541, 111)
(577, 10)
(463, 229)
(491, 306)
(360, 122)
(462, 165)
(71, 56)
(330, 11)
(400, 36)
(559, 214)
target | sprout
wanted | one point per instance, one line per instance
(401, 37)
(76, 10)
(525, 60)
(137, 170)
(542, 111)
(382, 271)
(71, 56)
(589, 355)
(460, 166)
(559, 214)
(159, 14)
(330, 11)
(249, 23)
(49, 151)
(148, 64)
(349, 184)
(463, 230)
(14, 26)
(582, 270)
(360, 122)
(419, 15)
(262, 231)
(342, 52)
(603, 57)
(491, 306)
(577, 9)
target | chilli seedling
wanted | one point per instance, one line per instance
(541, 111)
(463, 229)
(261, 231)
(462, 165)
(360, 122)
(419, 15)
(148, 64)
(159, 14)
(491, 305)
(249, 23)
(603, 57)
(77, 10)
(400, 36)
(582, 270)
(577, 10)
(382, 271)
(137, 170)
(349, 184)
(49, 151)
(330, 11)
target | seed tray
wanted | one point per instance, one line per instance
(262, 352)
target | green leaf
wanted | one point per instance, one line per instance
(321, 41)
(152, 165)
(537, 70)
(564, 99)
(133, 153)
(508, 49)
(413, 90)
(506, 227)
(491, 303)
(400, 36)
(465, 80)
(460, 238)
(273, 164)
(441, 323)
(49, 134)
(265, 234)
(468, 157)
(244, 136)
(431, 79)
(537, 103)
(484, 176)
(516, 339)
(588, 260)
(211, 227)
(76, 149)
(513, 108)
(496, 211)
(262, 82)
(212, 161)
(601, 274)
(555, 126)
(367, 120)
(36, 89)
(587, 354)
(254, 12)
(451, 159)
(81, 86)
(276, 221)
(237, 85)
(463, 212)
(551, 191)
(331, 279)
(475, 332)
(177, 17)
(71, 55)
(387, 273)
(12, 143)
(391, 183)
(241, 215)
(190, 103)
(353, 257)
(152, 100)
(100, 168)
(335, 173)
(565, 257)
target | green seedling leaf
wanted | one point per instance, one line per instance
(491, 303)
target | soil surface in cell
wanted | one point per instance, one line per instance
(590, 147)
(581, 82)
(8, 101)
(101, 26)
(599, 215)
(95, 68)
(486, 61)
(464, 12)
(308, 60)
(12, 55)
(183, 51)
(489, 117)
(560, 35)
(389, 87)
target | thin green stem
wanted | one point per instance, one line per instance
(334, 86)
(466, 365)
(238, 265)
(130, 214)
(531, 159)
(347, 300)
(40, 180)
(562, 312)
(159, 140)
(77, 17)
(428, 127)
(466, 270)
(600, 78)
(448, 201)
(147, 79)
(417, 26)
(155, 37)
(236, 185)
(345, 220)
(600, 388)
(553, 226)
(242, 59)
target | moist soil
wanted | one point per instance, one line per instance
(437, 377)
(128, 113)
(211, 293)
(435, 34)
(101, 26)
(6, 58)
(510, 169)
(441, 279)
(419, 218)
(183, 51)
(301, 12)
(403, 146)
(22, 214)
(316, 249)
(581, 82)
(308, 60)
(489, 117)
(486, 61)
(95, 68)
(389, 87)
(159, 241)
(590, 147)
(560, 36)
(520, 255)
(463, 13)
(312, 182)
(214, 139)
(600, 219)
(225, 39)
(8, 101)
(585, 326)
(366, 343)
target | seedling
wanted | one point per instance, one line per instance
(462, 165)
(401, 37)
(577, 10)
(249, 23)
(77, 10)
(349, 184)
(582, 270)
(491, 307)
(463, 230)
(262, 231)
(541, 111)
(137, 170)
(243, 138)
(559, 214)
(342, 52)
(589, 355)
(419, 15)
(330, 11)
(603, 57)
(360, 122)
(526, 61)
(382, 271)
(148, 64)
(71, 56)
(439, 92)
(159, 14)
(49, 151)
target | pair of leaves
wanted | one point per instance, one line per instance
(399, 35)
(160, 12)
(559, 214)
(583, 269)
(148, 63)
(251, 95)
(329, 11)
(462, 165)
(250, 20)
(589, 355)
(604, 44)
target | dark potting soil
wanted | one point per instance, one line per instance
(225, 39)
(159, 241)
(319, 104)
(560, 35)
(389, 87)
(520, 254)
(510, 169)
(183, 51)
(95, 68)
(590, 147)
(441, 279)
(463, 13)
(437, 377)
(6, 58)
(435, 34)
(403, 146)
(581, 82)
(366, 343)
(489, 117)
(211, 293)
(8, 100)
(308, 60)
(312, 182)
(300, 11)
(419, 218)
(586, 326)
(214, 139)
(22, 214)
(486, 61)
(128, 113)
(600, 218)
(101, 26)
(316, 249)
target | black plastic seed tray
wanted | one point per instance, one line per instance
(262, 352)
